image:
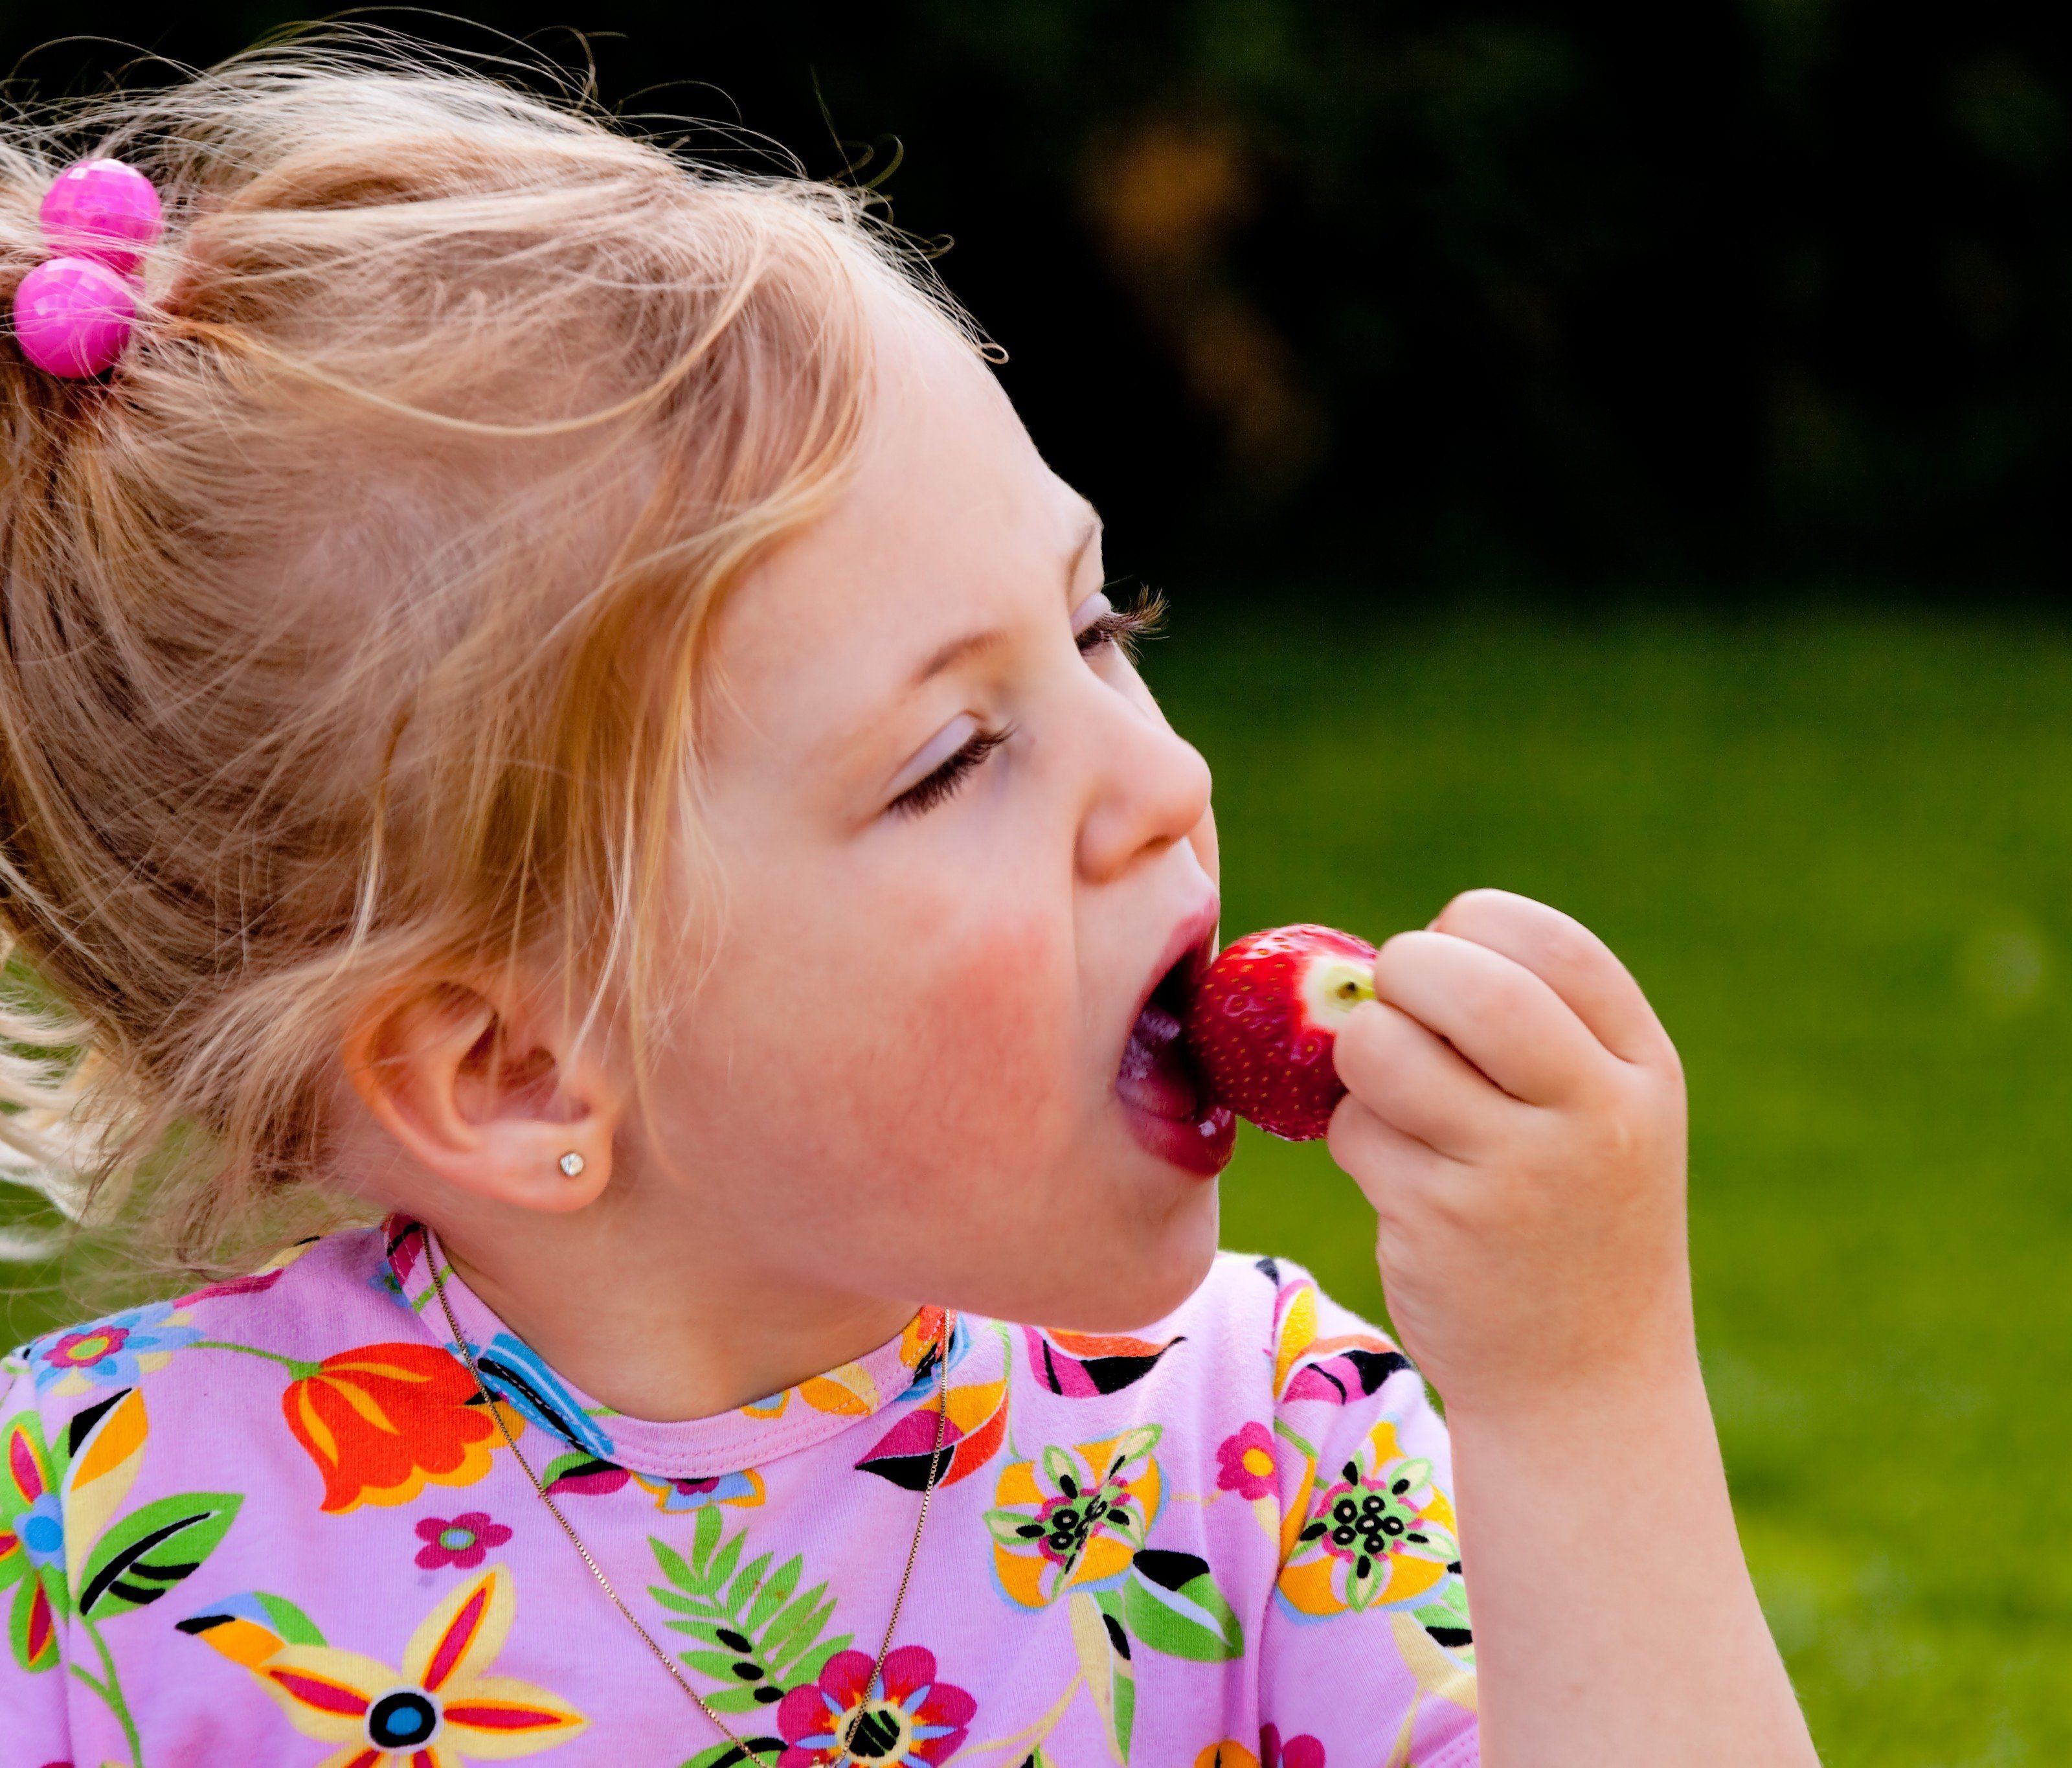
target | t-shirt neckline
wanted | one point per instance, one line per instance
(690, 1449)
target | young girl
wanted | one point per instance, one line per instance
(548, 709)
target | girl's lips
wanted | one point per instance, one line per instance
(1163, 1098)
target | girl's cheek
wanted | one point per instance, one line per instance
(965, 1048)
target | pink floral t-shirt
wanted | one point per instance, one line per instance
(275, 1522)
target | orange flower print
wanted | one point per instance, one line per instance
(381, 1419)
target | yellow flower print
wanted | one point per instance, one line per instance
(441, 1709)
(1377, 1534)
(1074, 1516)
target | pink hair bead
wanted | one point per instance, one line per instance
(73, 316)
(100, 209)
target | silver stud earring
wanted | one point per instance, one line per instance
(571, 1163)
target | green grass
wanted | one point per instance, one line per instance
(1835, 849)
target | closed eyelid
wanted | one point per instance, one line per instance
(931, 754)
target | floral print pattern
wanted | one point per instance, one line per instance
(252, 1282)
(972, 1435)
(1226, 1540)
(1301, 1751)
(1082, 1365)
(751, 1629)
(1336, 1368)
(908, 1716)
(1298, 1752)
(901, 1716)
(31, 1544)
(84, 1558)
(380, 1420)
(1245, 1462)
(464, 1541)
(1075, 1515)
(584, 1476)
(514, 1371)
(115, 1352)
(440, 1708)
(1379, 1534)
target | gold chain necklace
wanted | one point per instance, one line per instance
(941, 1347)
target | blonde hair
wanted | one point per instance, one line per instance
(353, 631)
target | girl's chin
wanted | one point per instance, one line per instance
(1200, 1145)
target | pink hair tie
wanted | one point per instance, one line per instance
(73, 312)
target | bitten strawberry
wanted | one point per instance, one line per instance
(1264, 1017)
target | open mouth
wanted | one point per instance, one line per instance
(1163, 1095)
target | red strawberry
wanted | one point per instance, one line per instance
(1264, 1017)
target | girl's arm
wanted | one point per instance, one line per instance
(1516, 1117)
(1614, 1620)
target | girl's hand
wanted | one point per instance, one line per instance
(1515, 1116)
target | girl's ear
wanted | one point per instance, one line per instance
(491, 1096)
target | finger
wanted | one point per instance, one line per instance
(1416, 1081)
(1388, 1166)
(1494, 1011)
(1570, 960)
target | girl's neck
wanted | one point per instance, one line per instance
(636, 1318)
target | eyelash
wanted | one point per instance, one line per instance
(926, 794)
(1122, 627)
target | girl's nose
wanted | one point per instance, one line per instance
(1150, 786)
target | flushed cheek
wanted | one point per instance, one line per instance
(973, 1055)
(938, 1122)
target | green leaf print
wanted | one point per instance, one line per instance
(723, 1562)
(1103, 1649)
(294, 1627)
(575, 1461)
(1172, 1604)
(152, 1549)
(752, 1635)
(1014, 1529)
(1061, 1470)
(1445, 1618)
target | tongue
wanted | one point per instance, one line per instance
(1155, 1075)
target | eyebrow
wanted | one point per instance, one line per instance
(969, 644)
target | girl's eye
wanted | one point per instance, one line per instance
(1097, 622)
(933, 788)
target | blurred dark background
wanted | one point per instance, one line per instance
(1574, 299)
